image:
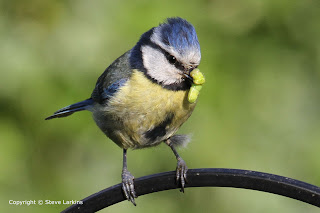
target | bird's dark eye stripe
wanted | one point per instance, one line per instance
(178, 65)
(171, 59)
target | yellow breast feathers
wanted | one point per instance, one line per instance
(149, 112)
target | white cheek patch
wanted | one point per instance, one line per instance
(158, 66)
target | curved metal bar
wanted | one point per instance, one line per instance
(203, 178)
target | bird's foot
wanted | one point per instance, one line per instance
(128, 186)
(181, 173)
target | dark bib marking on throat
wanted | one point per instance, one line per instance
(160, 130)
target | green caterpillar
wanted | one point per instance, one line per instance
(198, 80)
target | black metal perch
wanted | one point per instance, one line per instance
(202, 178)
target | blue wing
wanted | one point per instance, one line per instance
(114, 77)
(102, 94)
(113, 88)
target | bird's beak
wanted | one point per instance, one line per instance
(187, 75)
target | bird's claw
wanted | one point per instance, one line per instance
(181, 173)
(128, 186)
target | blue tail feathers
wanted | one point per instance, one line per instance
(68, 110)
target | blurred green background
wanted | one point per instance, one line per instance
(259, 109)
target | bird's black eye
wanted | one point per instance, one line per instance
(171, 59)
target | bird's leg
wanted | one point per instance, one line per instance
(181, 170)
(127, 181)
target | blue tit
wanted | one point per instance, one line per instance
(141, 99)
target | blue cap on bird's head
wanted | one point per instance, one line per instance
(168, 53)
(179, 34)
